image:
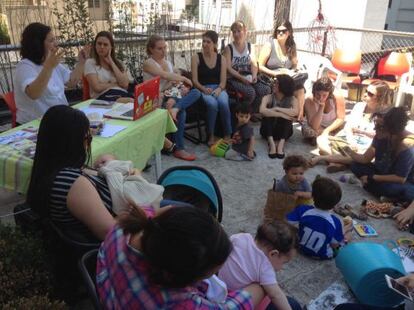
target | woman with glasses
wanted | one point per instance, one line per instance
(279, 56)
(209, 76)
(40, 79)
(242, 67)
(387, 166)
(60, 188)
(359, 128)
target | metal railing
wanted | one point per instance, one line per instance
(131, 50)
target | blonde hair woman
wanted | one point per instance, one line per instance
(359, 128)
(242, 66)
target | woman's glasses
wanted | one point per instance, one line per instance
(369, 94)
(281, 31)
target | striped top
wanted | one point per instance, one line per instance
(59, 211)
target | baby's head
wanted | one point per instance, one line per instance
(102, 160)
(295, 167)
(326, 193)
(278, 240)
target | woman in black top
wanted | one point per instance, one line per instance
(60, 189)
(279, 110)
(209, 76)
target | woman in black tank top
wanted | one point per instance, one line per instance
(209, 76)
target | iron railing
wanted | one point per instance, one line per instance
(131, 50)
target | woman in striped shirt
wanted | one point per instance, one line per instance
(77, 202)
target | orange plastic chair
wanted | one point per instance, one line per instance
(85, 89)
(11, 104)
(347, 61)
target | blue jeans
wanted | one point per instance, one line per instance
(214, 105)
(403, 192)
(183, 104)
(294, 304)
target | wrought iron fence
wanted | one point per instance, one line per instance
(131, 50)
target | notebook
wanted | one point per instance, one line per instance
(146, 100)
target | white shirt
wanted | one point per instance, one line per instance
(54, 94)
(103, 75)
(164, 84)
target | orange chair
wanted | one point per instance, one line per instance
(85, 89)
(11, 104)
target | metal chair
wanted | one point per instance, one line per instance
(87, 267)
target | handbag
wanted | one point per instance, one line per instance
(278, 204)
(300, 78)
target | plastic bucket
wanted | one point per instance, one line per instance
(364, 266)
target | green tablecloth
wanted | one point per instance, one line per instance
(138, 142)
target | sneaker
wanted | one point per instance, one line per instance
(169, 151)
(182, 154)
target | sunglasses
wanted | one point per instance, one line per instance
(369, 94)
(281, 31)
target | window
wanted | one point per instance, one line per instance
(94, 4)
(226, 3)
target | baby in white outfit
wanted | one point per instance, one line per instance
(126, 184)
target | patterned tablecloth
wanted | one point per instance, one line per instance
(137, 142)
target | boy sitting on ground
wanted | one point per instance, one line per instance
(242, 140)
(320, 231)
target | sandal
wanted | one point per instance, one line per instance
(169, 150)
(347, 210)
(182, 154)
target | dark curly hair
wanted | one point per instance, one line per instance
(32, 42)
(286, 84)
(323, 84)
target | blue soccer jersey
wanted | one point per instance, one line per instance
(317, 230)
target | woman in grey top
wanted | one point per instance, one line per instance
(279, 109)
(278, 56)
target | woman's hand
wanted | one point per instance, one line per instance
(54, 58)
(187, 81)
(216, 92)
(405, 216)
(407, 281)
(208, 90)
(84, 54)
(108, 59)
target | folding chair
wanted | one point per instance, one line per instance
(87, 267)
(11, 104)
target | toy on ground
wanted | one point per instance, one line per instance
(377, 209)
(219, 148)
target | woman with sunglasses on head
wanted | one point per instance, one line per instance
(242, 67)
(158, 65)
(359, 128)
(387, 166)
(60, 188)
(106, 75)
(209, 76)
(41, 79)
(279, 56)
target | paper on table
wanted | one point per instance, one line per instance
(110, 130)
(88, 110)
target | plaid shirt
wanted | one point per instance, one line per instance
(123, 283)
